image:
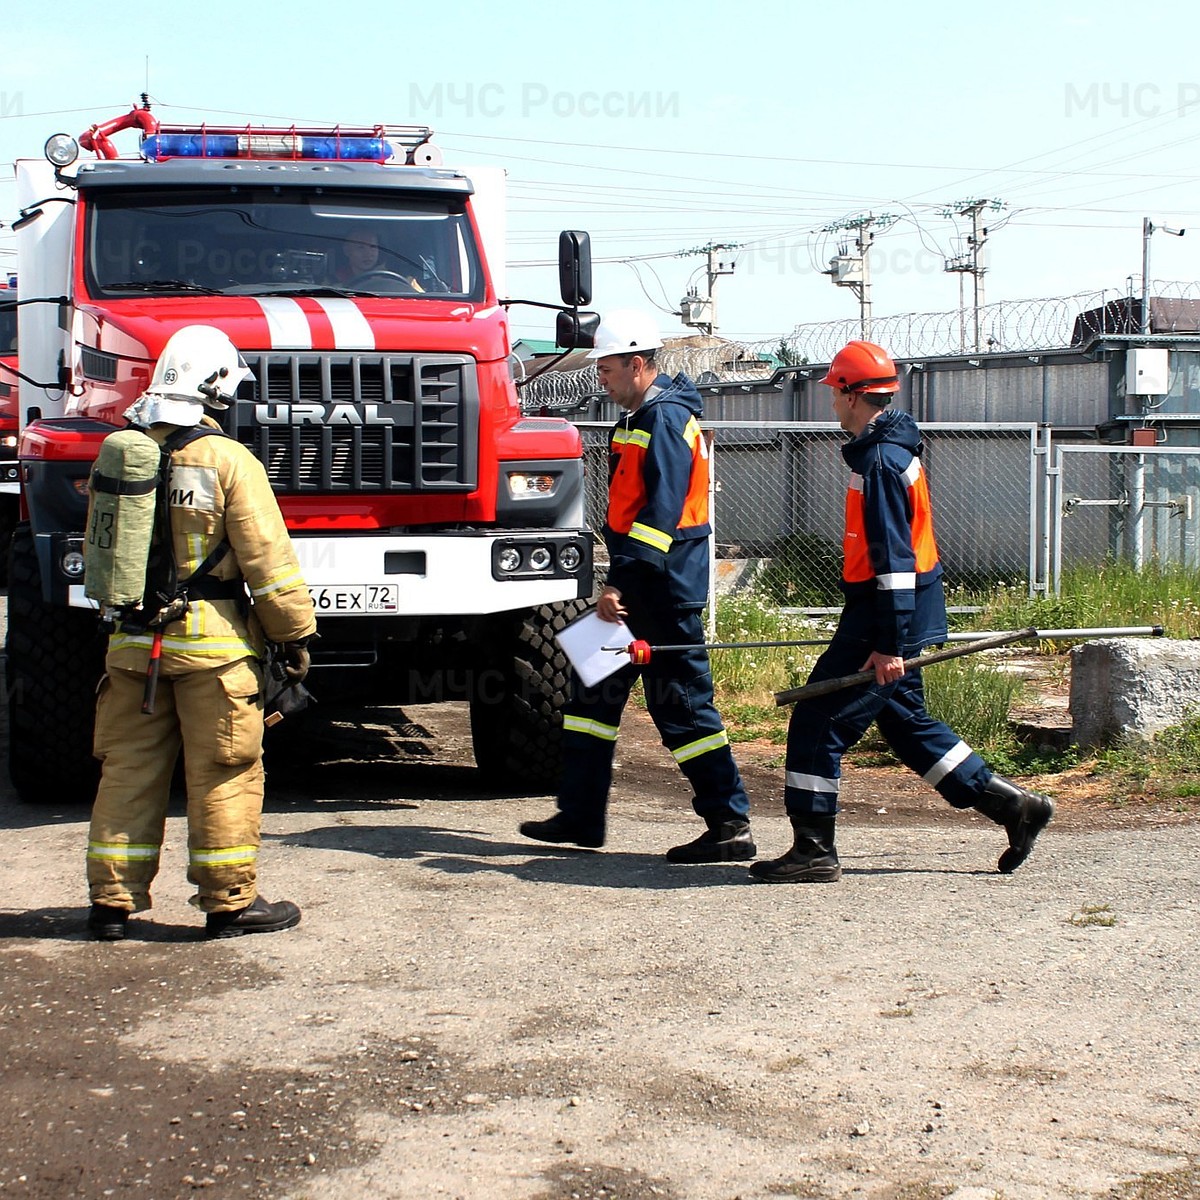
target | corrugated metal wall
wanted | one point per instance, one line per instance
(778, 480)
(1068, 389)
(1065, 389)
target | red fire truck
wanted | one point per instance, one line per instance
(440, 529)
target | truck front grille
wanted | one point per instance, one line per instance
(337, 422)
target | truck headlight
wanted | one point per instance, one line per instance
(509, 559)
(523, 483)
(569, 558)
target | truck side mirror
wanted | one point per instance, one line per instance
(575, 267)
(576, 330)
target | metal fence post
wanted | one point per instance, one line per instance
(711, 440)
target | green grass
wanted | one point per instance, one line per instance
(1166, 768)
(749, 679)
(1098, 596)
(968, 693)
(974, 699)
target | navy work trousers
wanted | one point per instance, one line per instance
(823, 729)
(679, 697)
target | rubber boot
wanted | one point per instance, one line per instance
(723, 841)
(107, 924)
(812, 858)
(1023, 814)
(261, 916)
(561, 829)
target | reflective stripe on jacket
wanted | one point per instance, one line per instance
(219, 490)
(891, 561)
(658, 493)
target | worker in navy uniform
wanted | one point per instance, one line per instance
(210, 694)
(657, 533)
(895, 607)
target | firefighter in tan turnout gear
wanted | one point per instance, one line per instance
(206, 692)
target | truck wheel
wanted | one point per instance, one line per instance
(55, 658)
(516, 711)
(8, 522)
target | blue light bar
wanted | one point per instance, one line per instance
(273, 145)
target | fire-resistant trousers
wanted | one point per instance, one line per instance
(679, 697)
(216, 717)
(823, 729)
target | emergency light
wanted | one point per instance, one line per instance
(208, 142)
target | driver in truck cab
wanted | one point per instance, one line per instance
(360, 259)
(359, 254)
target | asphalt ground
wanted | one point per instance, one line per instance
(463, 1013)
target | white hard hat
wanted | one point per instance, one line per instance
(625, 331)
(198, 363)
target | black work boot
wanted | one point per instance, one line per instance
(725, 841)
(107, 924)
(259, 917)
(559, 829)
(1023, 814)
(812, 858)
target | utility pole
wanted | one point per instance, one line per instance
(854, 270)
(1148, 228)
(700, 312)
(972, 262)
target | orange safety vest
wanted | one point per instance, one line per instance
(627, 495)
(857, 566)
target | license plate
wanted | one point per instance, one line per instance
(356, 599)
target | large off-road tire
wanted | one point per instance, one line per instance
(8, 523)
(516, 710)
(55, 658)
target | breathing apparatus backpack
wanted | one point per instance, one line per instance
(128, 552)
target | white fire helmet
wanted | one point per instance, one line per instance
(198, 363)
(625, 331)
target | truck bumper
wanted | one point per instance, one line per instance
(380, 575)
(462, 573)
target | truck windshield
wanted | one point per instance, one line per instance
(261, 241)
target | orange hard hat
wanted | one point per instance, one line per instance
(862, 367)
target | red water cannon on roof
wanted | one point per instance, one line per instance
(98, 138)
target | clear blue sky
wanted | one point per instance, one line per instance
(755, 123)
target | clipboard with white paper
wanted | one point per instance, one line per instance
(583, 642)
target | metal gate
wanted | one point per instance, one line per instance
(1134, 504)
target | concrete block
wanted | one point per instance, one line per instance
(1131, 687)
(735, 575)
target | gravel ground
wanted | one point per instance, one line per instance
(462, 1013)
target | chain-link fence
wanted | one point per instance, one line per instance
(779, 502)
(1135, 504)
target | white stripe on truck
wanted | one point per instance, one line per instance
(286, 323)
(351, 330)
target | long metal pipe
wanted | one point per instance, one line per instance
(1051, 635)
(1045, 635)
